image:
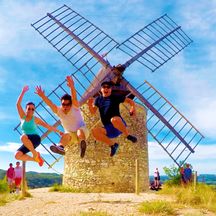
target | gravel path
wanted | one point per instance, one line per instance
(72, 204)
(65, 204)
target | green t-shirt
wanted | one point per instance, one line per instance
(29, 127)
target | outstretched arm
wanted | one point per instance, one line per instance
(132, 104)
(40, 92)
(49, 127)
(19, 101)
(70, 84)
(92, 107)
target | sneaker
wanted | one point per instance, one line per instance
(57, 149)
(39, 159)
(82, 148)
(133, 139)
(114, 149)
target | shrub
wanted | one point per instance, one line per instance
(157, 207)
(4, 186)
(203, 196)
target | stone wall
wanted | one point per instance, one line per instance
(97, 171)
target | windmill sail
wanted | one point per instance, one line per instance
(82, 44)
(156, 43)
(171, 130)
(78, 40)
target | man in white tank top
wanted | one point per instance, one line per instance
(70, 117)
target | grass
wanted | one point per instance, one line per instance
(6, 197)
(64, 189)
(4, 186)
(203, 196)
(157, 207)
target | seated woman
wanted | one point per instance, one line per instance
(30, 137)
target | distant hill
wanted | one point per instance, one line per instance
(38, 180)
(207, 178)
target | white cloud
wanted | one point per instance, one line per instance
(4, 78)
(202, 151)
(202, 160)
(12, 147)
(17, 37)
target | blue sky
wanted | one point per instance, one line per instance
(188, 80)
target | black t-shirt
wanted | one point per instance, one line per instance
(109, 107)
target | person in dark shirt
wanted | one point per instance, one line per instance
(188, 173)
(114, 124)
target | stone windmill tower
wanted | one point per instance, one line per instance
(82, 44)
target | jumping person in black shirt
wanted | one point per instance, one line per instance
(114, 124)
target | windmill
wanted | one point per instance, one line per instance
(82, 44)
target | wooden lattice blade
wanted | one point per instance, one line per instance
(177, 136)
(78, 40)
(156, 43)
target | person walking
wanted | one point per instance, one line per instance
(18, 176)
(69, 112)
(187, 173)
(10, 177)
(30, 136)
(114, 124)
(182, 175)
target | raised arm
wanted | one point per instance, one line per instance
(19, 101)
(132, 104)
(70, 84)
(49, 127)
(92, 107)
(40, 92)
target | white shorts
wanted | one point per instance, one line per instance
(10, 181)
(74, 138)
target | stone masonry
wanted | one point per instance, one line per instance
(97, 171)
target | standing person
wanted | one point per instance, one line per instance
(30, 137)
(70, 117)
(18, 176)
(187, 173)
(114, 124)
(156, 178)
(182, 175)
(10, 177)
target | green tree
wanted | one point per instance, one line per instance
(173, 174)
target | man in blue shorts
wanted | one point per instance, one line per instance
(114, 124)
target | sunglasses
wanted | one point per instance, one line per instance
(106, 86)
(66, 104)
(31, 109)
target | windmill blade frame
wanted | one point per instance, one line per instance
(155, 44)
(82, 44)
(77, 39)
(169, 128)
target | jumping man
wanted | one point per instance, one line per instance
(70, 117)
(114, 124)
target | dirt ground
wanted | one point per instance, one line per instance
(47, 203)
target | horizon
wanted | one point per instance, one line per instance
(187, 80)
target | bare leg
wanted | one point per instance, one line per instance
(100, 135)
(119, 124)
(65, 139)
(23, 157)
(80, 135)
(28, 144)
